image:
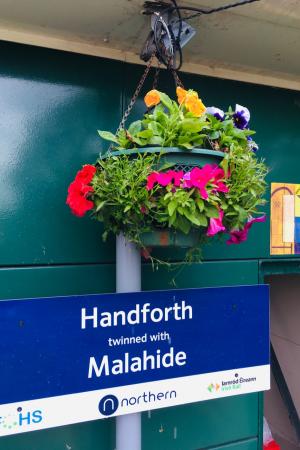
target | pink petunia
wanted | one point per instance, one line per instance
(164, 178)
(216, 224)
(238, 236)
(221, 187)
(151, 180)
(177, 177)
(218, 174)
(187, 180)
(200, 178)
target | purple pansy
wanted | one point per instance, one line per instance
(241, 117)
(252, 145)
(217, 112)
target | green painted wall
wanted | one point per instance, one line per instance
(51, 106)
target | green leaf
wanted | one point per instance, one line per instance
(171, 207)
(156, 127)
(127, 208)
(200, 204)
(135, 127)
(156, 140)
(183, 224)
(191, 217)
(211, 211)
(214, 135)
(145, 134)
(186, 145)
(143, 137)
(166, 101)
(203, 220)
(101, 204)
(108, 136)
(192, 125)
(172, 219)
(238, 133)
(161, 118)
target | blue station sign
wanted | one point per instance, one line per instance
(72, 359)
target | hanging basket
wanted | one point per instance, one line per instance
(170, 238)
(181, 159)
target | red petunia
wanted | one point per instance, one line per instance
(272, 445)
(86, 174)
(77, 198)
(79, 191)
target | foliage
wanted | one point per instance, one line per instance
(246, 185)
(172, 124)
(120, 195)
(134, 194)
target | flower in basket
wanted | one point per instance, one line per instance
(137, 188)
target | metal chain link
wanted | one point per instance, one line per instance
(132, 102)
(136, 94)
(156, 76)
(177, 80)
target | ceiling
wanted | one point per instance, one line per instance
(258, 43)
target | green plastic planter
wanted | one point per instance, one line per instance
(170, 238)
(181, 160)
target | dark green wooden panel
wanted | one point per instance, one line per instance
(67, 280)
(247, 445)
(202, 425)
(206, 274)
(275, 116)
(52, 104)
(30, 282)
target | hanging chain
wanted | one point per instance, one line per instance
(177, 80)
(136, 94)
(156, 76)
(132, 102)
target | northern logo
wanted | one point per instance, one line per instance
(108, 405)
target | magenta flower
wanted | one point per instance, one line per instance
(221, 187)
(151, 180)
(164, 178)
(177, 177)
(199, 178)
(216, 225)
(238, 236)
(187, 180)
